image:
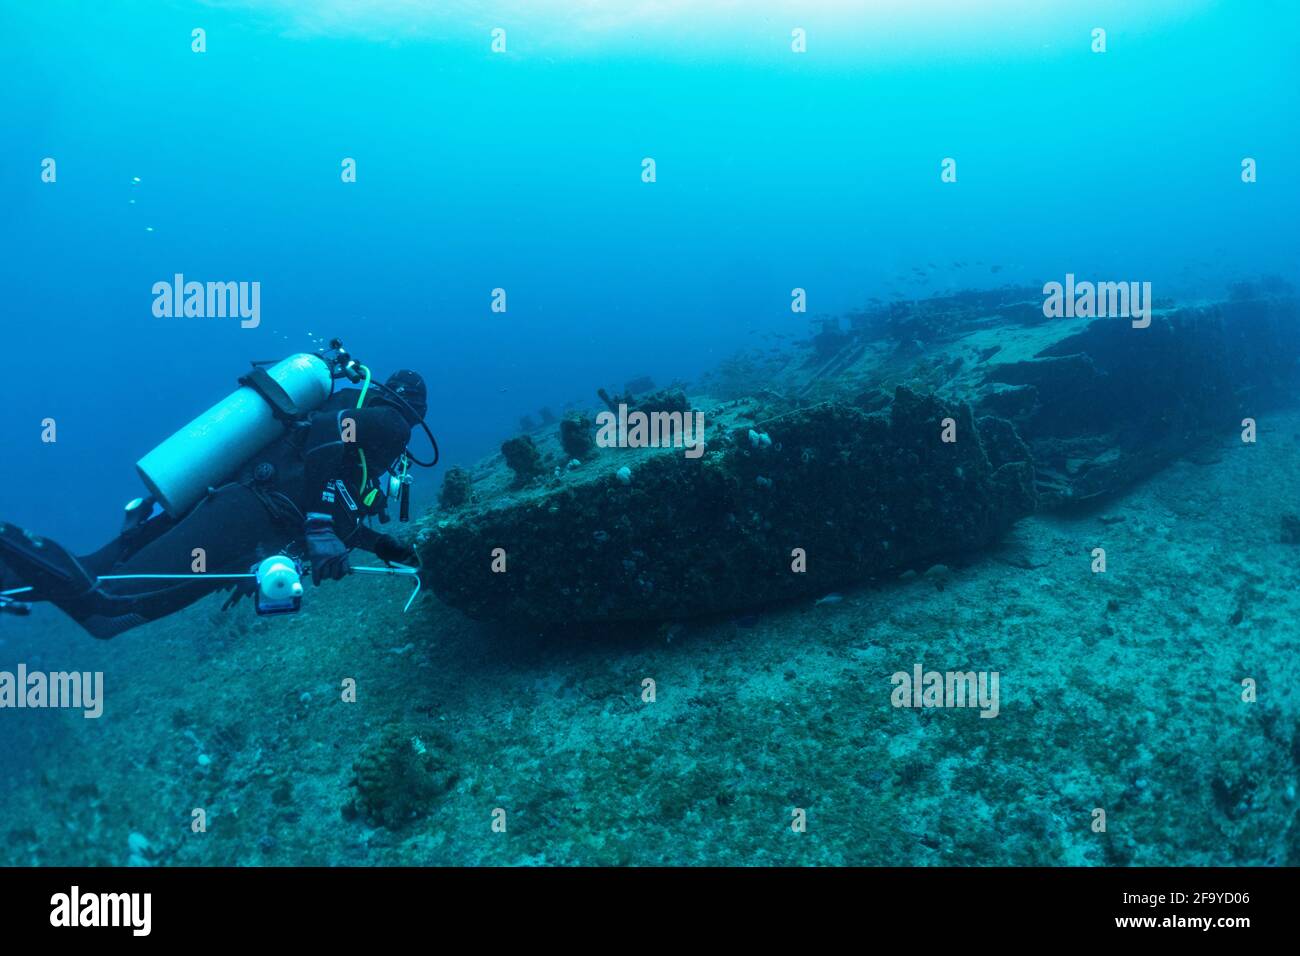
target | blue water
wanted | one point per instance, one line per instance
(522, 171)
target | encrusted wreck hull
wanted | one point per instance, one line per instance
(1109, 404)
(854, 478)
(840, 495)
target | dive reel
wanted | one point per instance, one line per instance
(279, 588)
(279, 585)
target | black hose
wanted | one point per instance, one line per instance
(432, 441)
(392, 397)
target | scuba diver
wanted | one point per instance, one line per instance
(283, 474)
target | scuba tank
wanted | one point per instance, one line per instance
(180, 471)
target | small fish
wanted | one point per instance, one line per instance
(831, 598)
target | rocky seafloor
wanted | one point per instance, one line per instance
(1120, 690)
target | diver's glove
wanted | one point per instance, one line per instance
(327, 554)
(388, 549)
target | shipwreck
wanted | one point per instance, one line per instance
(917, 435)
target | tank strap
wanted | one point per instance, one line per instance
(282, 405)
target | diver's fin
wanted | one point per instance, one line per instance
(102, 615)
(38, 569)
(40, 564)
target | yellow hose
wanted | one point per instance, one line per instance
(364, 388)
(365, 471)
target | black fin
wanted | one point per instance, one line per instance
(42, 565)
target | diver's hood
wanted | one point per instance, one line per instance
(409, 387)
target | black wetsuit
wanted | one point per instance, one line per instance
(259, 511)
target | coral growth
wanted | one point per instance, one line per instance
(576, 436)
(457, 489)
(523, 458)
(664, 400)
(397, 778)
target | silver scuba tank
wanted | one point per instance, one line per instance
(181, 469)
